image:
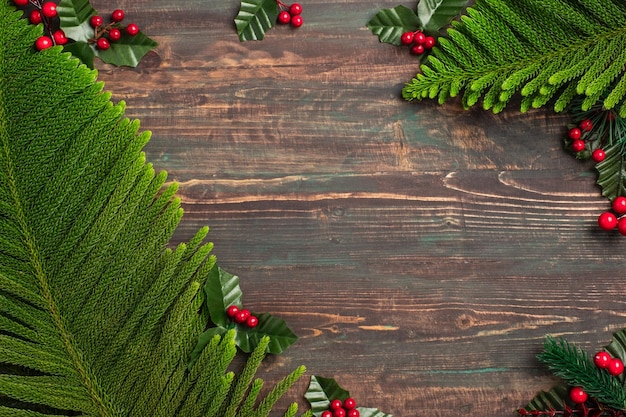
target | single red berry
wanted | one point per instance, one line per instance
(252, 321)
(284, 17)
(295, 9)
(407, 38)
(20, 3)
(340, 412)
(578, 145)
(95, 21)
(232, 310)
(132, 29)
(49, 9)
(297, 21)
(619, 205)
(602, 359)
(43, 42)
(35, 17)
(117, 15)
(327, 414)
(336, 404)
(616, 367)
(607, 221)
(59, 37)
(353, 413)
(598, 155)
(574, 133)
(419, 37)
(585, 125)
(418, 49)
(240, 317)
(429, 42)
(621, 226)
(578, 395)
(103, 44)
(115, 34)
(349, 404)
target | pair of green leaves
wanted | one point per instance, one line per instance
(430, 16)
(322, 391)
(74, 16)
(222, 290)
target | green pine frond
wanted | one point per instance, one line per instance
(98, 317)
(543, 50)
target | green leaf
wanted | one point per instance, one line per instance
(255, 17)
(390, 24)
(435, 14)
(222, 290)
(74, 18)
(281, 336)
(371, 412)
(321, 392)
(612, 171)
(82, 51)
(549, 400)
(128, 51)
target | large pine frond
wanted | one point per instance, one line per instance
(97, 316)
(549, 51)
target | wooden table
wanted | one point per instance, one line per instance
(421, 252)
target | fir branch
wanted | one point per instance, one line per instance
(278, 391)
(577, 369)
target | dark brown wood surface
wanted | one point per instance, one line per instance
(421, 252)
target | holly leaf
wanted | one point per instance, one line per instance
(549, 400)
(74, 18)
(435, 14)
(612, 171)
(203, 340)
(371, 412)
(128, 51)
(82, 51)
(617, 347)
(321, 392)
(390, 24)
(222, 290)
(255, 17)
(281, 336)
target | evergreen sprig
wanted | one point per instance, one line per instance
(576, 367)
(547, 51)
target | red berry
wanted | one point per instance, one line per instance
(284, 17)
(585, 125)
(297, 21)
(598, 155)
(295, 9)
(340, 412)
(232, 310)
(429, 42)
(407, 38)
(574, 133)
(578, 395)
(117, 15)
(578, 145)
(132, 29)
(43, 42)
(95, 21)
(602, 359)
(418, 49)
(349, 404)
(115, 34)
(616, 367)
(49, 9)
(419, 37)
(240, 317)
(103, 44)
(621, 226)
(20, 3)
(252, 321)
(619, 205)
(327, 414)
(336, 404)
(35, 17)
(353, 413)
(607, 221)
(59, 37)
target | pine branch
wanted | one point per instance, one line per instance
(547, 51)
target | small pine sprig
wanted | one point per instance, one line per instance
(576, 367)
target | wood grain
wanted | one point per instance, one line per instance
(420, 251)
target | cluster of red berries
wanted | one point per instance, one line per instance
(242, 316)
(338, 408)
(577, 136)
(418, 42)
(44, 12)
(602, 360)
(291, 14)
(105, 34)
(615, 219)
